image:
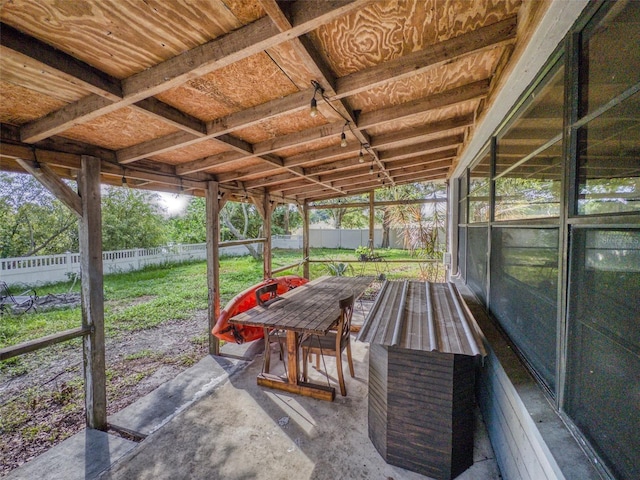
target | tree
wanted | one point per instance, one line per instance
(32, 221)
(131, 219)
(285, 219)
(191, 226)
(423, 226)
(241, 221)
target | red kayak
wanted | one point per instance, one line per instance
(244, 301)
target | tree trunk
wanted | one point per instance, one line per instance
(338, 214)
(51, 238)
(241, 236)
(386, 227)
(286, 220)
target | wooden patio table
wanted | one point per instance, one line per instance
(309, 309)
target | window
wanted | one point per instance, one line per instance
(524, 283)
(479, 190)
(529, 155)
(603, 388)
(608, 129)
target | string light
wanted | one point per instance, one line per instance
(343, 136)
(314, 103)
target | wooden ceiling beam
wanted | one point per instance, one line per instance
(346, 164)
(271, 180)
(72, 162)
(218, 53)
(300, 100)
(404, 137)
(62, 65)
(365, 188)
(416, 150)
(298, 138)
(453, 96)
(414, 135)
(418, 62)
(424, 160)
(314, 62)
(441, 174)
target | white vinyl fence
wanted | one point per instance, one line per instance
(55, 268)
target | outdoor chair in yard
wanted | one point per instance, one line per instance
(334, 343)
(264, 296)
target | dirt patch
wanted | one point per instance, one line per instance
(42, 394)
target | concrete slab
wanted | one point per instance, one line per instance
(244, 351)
(213, 421)
(83, 456)
(149, 413)
(242, 431)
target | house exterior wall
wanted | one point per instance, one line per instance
(558, 267)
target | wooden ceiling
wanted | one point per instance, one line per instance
(172, 94)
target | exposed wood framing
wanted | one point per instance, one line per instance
(200, 115)
(90, 239)
(214, 204)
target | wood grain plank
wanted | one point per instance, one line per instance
(64, 66)
(419, 61)
(446, 98)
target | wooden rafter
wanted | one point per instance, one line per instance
(405, 129)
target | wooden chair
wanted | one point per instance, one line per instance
(334, 343)
(264, 296)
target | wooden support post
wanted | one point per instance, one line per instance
(305, 239)
(213, 206)
(371, 219)
(266, 222)
(90, 240)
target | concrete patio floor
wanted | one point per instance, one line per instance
(214, 422)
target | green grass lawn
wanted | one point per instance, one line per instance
(149, 297)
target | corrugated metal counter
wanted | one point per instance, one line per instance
(424, 346)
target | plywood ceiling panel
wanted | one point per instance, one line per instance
(121, 37)
(236, 165)
(120, 129)
(246, 11)
(19, 105)
(317, 145)
(287, 59)
(282, 125)
(26, 72)
(432, 116)
(387, 30)
(467, 70)
(249, 82)
(191, 152)
(257, 91)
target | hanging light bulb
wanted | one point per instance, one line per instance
(314, 103)
(361, 156)
(343, 136)
(371, 169)
(124, 182)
